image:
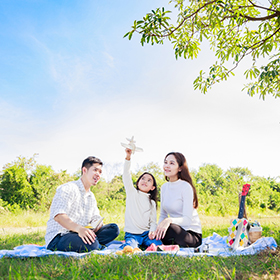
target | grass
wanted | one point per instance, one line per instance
(23, 219)
(265, 265)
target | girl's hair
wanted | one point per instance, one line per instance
(153, 193)
(184, 174)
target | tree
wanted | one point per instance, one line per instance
(44, 182)
(236, 178)
(27, 185)
(235, 29)
(210, 178)
(15, 188)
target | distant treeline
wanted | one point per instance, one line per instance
(24, 184)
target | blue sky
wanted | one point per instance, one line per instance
(72, 86)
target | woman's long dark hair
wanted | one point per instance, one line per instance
(184, 174)
(153, 193)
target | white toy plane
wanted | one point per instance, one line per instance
(131, 145)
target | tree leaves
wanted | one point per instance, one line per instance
(235, 29)
(26, 185)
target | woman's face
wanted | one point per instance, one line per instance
(171, 168)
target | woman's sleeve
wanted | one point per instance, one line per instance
(187, 213)
(163, 213)
(153, 217)
(127, 180)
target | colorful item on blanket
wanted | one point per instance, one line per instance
(166, 248)
(216, 246)
(239, 229)
(128, 250)
(238, 224)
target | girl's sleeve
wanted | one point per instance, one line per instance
(163, 213)
(187, 196)
(127, 180)
(153, 217)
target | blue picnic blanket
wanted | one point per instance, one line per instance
(214, 245)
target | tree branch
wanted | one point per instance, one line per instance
(264, 40)
(247, 53)
(276, 14)
(264, 8)
(184, 19)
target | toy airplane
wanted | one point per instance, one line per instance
(131, 145)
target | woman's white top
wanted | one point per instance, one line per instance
(177, 204)
(140, 212)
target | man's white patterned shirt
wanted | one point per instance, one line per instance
(71, 199)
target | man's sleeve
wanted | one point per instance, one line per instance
(62, 201)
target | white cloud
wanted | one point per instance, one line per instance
(109, 59)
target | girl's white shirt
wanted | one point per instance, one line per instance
(140, 212)
(177, 204)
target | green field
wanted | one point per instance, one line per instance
(265, 265)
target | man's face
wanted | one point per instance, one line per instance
(93, 174)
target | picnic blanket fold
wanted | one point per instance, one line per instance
(214, 245)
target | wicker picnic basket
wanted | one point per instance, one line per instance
(255, 233)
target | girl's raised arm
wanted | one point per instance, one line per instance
(127, 180)
(128, 154)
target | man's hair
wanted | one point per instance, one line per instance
(90, 161)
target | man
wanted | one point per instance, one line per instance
(74, 207)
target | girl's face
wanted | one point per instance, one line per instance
(146, 183)
(171, 168)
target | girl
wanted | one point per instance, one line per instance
(140, 212)
(179, 222)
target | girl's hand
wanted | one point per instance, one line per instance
(152, 235)
(128, 153)
(162, 228)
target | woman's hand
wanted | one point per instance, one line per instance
(162, 228)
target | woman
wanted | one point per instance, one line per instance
(179, 222)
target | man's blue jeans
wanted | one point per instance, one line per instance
(72, 242)
(134, 240)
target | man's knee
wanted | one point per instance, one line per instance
(111, 230)
(115, 229)
(71, 242)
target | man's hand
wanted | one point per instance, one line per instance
(87, 235)
(162, 228)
